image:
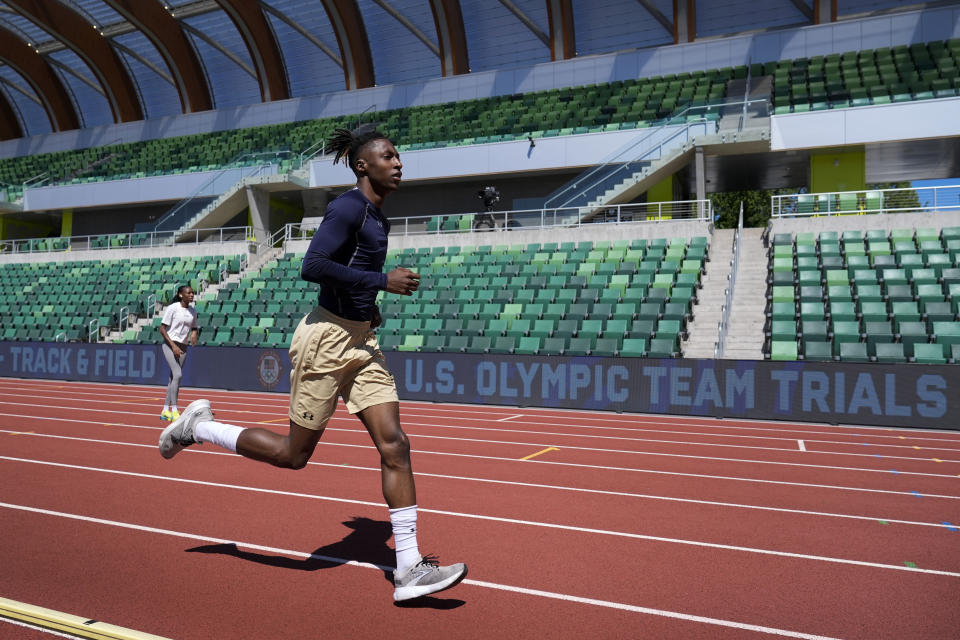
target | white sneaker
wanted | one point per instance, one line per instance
(180, 434)
(426, 576)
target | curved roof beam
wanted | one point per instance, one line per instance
(293, 24)
(563, 44)
(454, 57)
(527, 22)
(412, 28)
(263, 47)
(166, 35)
(9, 123)
(66, 25)
(352, 39)
(42, 79)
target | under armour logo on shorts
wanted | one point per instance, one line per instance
(307, 415)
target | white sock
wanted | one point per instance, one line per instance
(174, 408)
(222, 435)
(166, 407)
(404, 521)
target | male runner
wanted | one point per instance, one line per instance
(334, 352)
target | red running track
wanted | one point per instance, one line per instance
(631, 526)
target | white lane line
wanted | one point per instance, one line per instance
(51, 632)
(556, 487)
(545, 433)
(405, 413)
(486, 425)
(514, 460)
(572, 447)
(803, 447)
(484, 411)
(475, 516)
(477, 583)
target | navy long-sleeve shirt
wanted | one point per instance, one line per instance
(346, 256)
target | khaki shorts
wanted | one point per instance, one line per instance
(331, 356)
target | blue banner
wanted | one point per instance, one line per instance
(874, 394)
(237, 368)
(127, 363)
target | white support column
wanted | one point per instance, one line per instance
(699, 174)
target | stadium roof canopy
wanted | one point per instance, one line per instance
(67, 64)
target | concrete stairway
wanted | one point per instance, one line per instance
(745, 335)
(702, 330)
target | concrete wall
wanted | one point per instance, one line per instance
(555, 153)
(136, 190)
(862, 125)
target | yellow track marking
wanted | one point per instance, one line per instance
(534, 455)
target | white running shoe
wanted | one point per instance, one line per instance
(426, 576)
(180, 434)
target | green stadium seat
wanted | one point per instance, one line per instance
(783, 350)
(853, 352)
(662, 348)
(890, 353)
(528, 345)
(929, 353)
(817, 350)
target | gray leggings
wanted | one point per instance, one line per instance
(176, 370)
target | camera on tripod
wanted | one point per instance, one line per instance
(490, 197)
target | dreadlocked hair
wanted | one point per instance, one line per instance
(347, 144)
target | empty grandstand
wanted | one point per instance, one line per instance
(688, 311)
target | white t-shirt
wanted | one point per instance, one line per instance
(179, 320)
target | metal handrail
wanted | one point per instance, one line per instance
(93, 330)
(123, 318)
(944, 197)
(237, 163)
(40, 178)
(678, 119)
(725, 310)
(310, 152)
(83, 243)
(532, 219)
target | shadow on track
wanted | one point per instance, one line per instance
(366, 542)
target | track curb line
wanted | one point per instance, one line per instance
(76, 625)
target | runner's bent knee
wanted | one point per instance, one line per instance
(395, 450)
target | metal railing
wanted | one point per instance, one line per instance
(36, 180)
(123, 319)
(243, 166)
(317, 148)
(725, 310)
(93, 331)
(115, 241)
(532, 219)
(633, 157)
(867, 201)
